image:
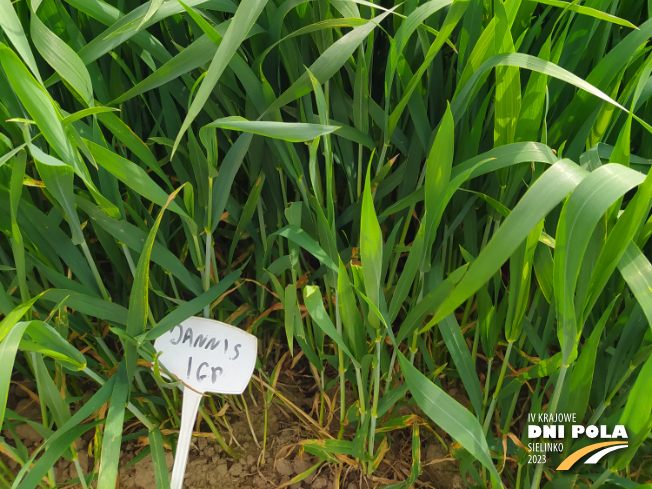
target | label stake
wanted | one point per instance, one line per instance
(207, 356)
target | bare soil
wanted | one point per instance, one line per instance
(209, 466)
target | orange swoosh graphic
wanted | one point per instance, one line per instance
(575, 456)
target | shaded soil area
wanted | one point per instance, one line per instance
(207, 469)
(209, 466)
(288, 424)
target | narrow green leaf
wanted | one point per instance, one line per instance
(409, 272)
(300, 237)
(112, 440)
(135, 238)
(134, 177)
(460, 103)
(353, 326)
(438, 176)
(543, 269)
(637, 272)
(557, 182)
(242, 22)
(313, 300)
(154, 5)
(371, 248)
(48, 392)
(138, 302)
(63, 60)
(430, 304)
(10, 320)
(459, 351)
(161, 474)
(331, 60)
(637, 415)
(288, 131)
(581, 9)
(8, 349)
(45, 335)
(291, 309)
(579, 217)
(626, 228)
(38, 103)
(126, 136)
(520, 270)
(450, 415)
(13, 29)
(69, 119)
(453, 16)
(247, 213)
(583, 371)
(58, 179)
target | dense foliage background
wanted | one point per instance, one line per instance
(412, 196)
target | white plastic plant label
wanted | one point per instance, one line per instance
(207, 356)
